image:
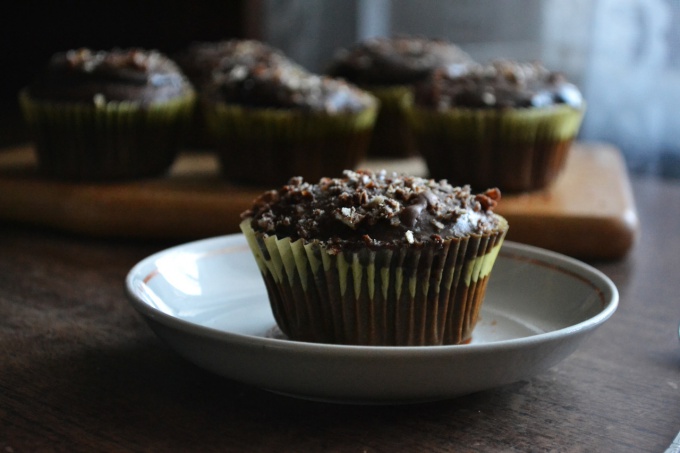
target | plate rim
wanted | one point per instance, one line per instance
(532, 253)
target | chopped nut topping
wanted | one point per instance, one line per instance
(437, 224)
(374, 208)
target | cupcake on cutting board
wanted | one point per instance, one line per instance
(102, 115)
(507, 124)
(201, 61)
(273, 121)
(388, 67)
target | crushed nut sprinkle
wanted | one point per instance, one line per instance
(373, 208)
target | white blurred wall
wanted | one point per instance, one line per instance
(624, 54)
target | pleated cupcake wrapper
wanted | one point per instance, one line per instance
(110, 140)
(268, 146)
(393, 97)
(407, 296)
(392, 136)
(238, 123)
(510, 125)
(514, 149)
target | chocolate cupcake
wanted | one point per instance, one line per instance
(388, 68)
(106, 115)
(375, 259)
(201, 61)
(270, 122)
(507, 124)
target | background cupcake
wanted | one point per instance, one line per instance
(388, 68)
(506, 124)
(270, 122)
(375, 259)
(103, 115)
(201, 61)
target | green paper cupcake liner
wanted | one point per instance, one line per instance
(268, 146)
(515, 150)
(106, 141)
(409, 296)
(392, 136)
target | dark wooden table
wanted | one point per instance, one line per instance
(81, 371)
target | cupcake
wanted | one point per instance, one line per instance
(388, 68)
(107, 115)
(375, 258)
(201, 60)
(509, 124)
(270, 122)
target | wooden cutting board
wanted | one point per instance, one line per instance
(588, 213)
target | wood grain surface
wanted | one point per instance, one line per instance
(589, 212)
(80, 371)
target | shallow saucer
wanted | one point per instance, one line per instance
(206, 299)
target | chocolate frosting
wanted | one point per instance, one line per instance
(373, 209)
(498, 85)
(286, 87)
(200, 60)
(84, 75)
(395, 61)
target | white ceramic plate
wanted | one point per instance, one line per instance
(206, 299)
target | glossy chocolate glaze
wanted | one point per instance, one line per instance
(84, 75)
(365, 208)
(500, 84)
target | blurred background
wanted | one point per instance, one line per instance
(623, 54)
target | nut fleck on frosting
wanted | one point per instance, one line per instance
(374, 209)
